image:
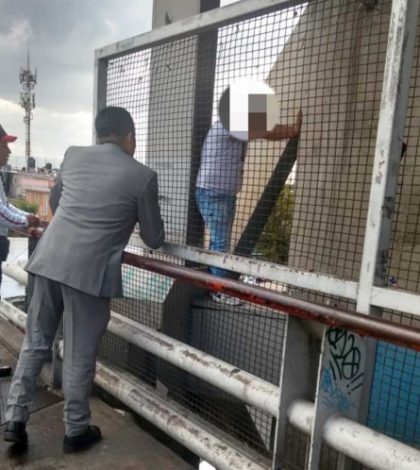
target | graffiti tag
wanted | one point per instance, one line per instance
(345, 362)
(333, 396)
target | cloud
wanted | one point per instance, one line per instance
(63, 35)
(52, 132)
(16, 35)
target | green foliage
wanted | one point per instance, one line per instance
(26, 206)
(273, 243)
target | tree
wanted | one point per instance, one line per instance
(274, 241)
(26, 206)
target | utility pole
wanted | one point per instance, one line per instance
(27, 100)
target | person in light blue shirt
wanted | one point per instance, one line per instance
(10, 217)
(220, 178)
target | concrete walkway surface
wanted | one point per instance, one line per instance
(124, 446)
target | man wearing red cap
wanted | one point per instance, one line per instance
(10, 216)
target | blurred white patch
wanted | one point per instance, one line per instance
(206, 466)
(18, 254)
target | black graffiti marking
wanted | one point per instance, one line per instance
(345, 354)
(332, 370)
(356, 387)
(357, 378)
(355, 383)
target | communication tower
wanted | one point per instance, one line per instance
(27, 100)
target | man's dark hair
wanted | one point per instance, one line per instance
(113, 120)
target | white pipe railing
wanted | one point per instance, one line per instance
(301, 415)
(175, 421)
(13, 314)
(164, 413)
(343, 435)
(360, 443)
(247, 387)
(16, 272)
(370, 448)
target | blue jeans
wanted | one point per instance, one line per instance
(218, 212)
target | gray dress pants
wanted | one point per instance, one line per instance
(85, 318)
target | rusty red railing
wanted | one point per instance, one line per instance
(364, 325)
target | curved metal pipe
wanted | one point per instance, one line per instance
(362, 324)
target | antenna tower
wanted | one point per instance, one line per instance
(27, 100)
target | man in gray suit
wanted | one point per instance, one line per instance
(102, 194)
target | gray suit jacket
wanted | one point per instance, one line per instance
(104, 193)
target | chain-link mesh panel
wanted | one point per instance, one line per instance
(297, 449)
(395, 400)
(325, 58)
(172, 91)
(297, 454)
(247, 336)
(301, 202)
(395, 397)
(403, 269)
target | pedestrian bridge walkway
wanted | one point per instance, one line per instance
(125, 445)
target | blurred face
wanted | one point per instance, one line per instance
(4, 153)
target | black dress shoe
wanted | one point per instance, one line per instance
(5, 371)
(82, 441)
(15, 432)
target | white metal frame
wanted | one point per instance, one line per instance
(366, 292)
(247, 387)
(346, 436)
(383, 190)
(193, 25)
(384, 297)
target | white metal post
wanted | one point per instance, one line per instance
(398, 65)
(340, 383)
(350, 350)
(396, 83)
(294, 382)
(99, 88)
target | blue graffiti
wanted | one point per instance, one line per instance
(333, 396)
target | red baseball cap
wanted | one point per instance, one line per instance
(4, 137)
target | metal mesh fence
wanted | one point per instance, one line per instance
(343, 78)
(395, 398)
(248, 336)
(301, 202)
(403, 269)
(326, 59)
(297, 454)
(172, 91)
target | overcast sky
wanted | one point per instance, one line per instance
(63, 35)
